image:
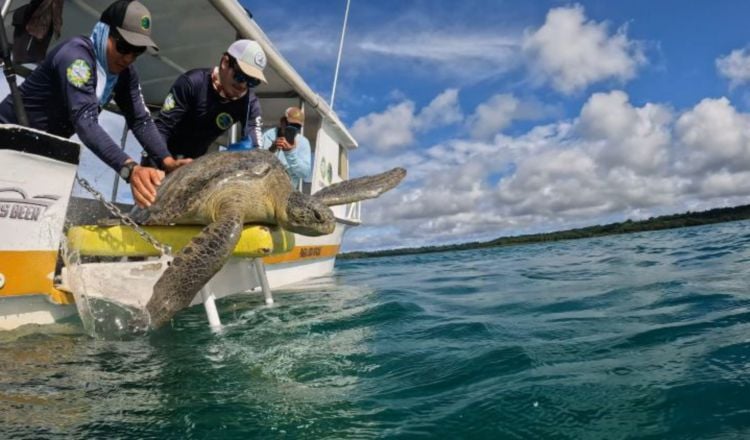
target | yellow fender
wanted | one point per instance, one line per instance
(123, 241)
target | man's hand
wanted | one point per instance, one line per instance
(170, 163)
(283, 145)
(143, 183)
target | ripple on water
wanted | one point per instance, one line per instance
(639, 336)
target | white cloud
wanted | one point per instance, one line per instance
(443, 47)
(614, 161)
(388, 130)
(454, 54)
(500, 111)
(735, 67)
(714, 136)
(571, 53)
(724, 183)
(623, 135)
(443, 110)
(395, 127)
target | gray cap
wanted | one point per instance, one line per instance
(250, 57)
(132, 20)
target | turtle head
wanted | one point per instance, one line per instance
(307, 216)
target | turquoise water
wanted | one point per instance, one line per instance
(638, 336)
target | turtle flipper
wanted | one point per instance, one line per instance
(361, 188)
(194, 266)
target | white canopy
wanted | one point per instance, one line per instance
(195, 33)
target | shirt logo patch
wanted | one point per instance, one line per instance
(78, 73)
(224, 120)
(169, 103)
(146, 22)
(260, 60)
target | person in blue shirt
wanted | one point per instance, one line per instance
(290, 145)
(66, 93)
(203, 103)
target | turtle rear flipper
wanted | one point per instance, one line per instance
(194, 266)
(361, 188)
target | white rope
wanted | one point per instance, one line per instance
(6, 7)
(338, 59)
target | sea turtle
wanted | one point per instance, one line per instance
(226, 190)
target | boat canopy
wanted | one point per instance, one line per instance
(195, 33)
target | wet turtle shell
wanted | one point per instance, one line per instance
(225, 191)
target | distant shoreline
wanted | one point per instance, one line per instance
(711, 216)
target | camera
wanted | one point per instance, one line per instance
(289, 133)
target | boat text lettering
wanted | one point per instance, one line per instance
(19, 211)
(309, 252)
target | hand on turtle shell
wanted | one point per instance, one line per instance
(170, 163)
(143, 183)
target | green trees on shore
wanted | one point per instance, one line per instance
(717, 215)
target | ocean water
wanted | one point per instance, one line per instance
(635, 336)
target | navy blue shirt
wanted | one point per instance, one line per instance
(194, 115)
(60, 98)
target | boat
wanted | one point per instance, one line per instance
(43, 224)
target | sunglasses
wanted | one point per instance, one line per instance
(126, 48)
(240, 77)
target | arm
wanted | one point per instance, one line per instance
(269, 136)
(254, 122)
(130, 100)
(298, 158)
(76, 71)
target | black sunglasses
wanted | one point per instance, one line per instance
(240, 76)
(126, 48)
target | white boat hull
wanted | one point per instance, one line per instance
(32, 309)
(32, 215)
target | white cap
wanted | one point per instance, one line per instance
(250, 57)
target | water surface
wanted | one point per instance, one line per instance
(632, 336)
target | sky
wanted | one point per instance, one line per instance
(524, 116)
(516, 117)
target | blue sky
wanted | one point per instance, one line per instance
(515, 117)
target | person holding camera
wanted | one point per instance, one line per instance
(203, 103)
(290, 145)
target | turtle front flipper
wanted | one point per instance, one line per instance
(361, 188)
(194, 266)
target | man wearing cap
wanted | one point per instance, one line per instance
(290, 145)
(203, 103)
(65, 94)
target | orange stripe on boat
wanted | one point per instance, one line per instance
(30, 273)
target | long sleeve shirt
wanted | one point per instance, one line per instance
(194, 115)
(60, 98)
(297, 161)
